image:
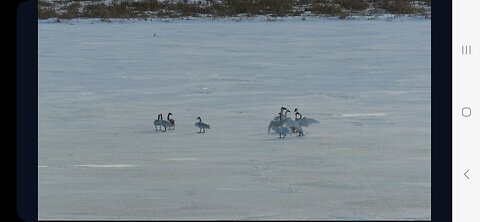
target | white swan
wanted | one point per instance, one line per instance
(293, 125)
(172, 121)
(201, 125)
(303, 121)
(156, 123)
(276, 122)
(280, 129)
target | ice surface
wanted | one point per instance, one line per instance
(101, 85)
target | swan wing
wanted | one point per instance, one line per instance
(291, 123)
(307, 121)
(274, 123)
(281, 130)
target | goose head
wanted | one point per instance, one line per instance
(199, 119)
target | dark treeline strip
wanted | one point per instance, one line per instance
(226, 8)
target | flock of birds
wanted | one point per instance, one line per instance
(170, 124)
(281, 124)
(284, 125)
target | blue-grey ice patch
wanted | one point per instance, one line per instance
(105, 165)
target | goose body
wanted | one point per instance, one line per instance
(172, 121)
(164, 123)
(156, 123)
(201, 125)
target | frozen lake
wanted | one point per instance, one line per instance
(101, 85)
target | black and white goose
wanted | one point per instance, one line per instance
(201, 125)
(164, 123)
(172, 121)
(156, 123)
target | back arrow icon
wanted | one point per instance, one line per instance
(466, 174)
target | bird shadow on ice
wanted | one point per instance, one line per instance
(169, 132)
(272, 137)
(147, 131)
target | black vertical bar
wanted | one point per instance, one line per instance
(441, 111)
(26, 108)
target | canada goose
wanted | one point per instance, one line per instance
(157, 123)
(201, 125)
(303, 121)
(164, 123)
(172, 121)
